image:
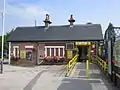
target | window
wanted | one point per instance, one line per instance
(61, 51)
(117, 53)
(16, 51)
(54, 51)
(70, 46)
(29, 53)
(48, 51)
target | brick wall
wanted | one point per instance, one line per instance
(23, 44)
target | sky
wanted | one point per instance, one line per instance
(25, 12)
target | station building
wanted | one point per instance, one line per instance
(34, 43)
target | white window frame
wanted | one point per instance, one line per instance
(14, 47)
(54, 50)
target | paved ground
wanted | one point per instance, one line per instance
(96, 81)
(52, 78)
(31, 78)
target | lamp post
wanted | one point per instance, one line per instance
(3, 27)
(1, 62)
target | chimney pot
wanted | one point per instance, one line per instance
(71, 20)
(47, 21)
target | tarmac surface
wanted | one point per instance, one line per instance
(52, 77)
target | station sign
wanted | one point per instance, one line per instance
(82, 43)
(22, 54)
(69, 54)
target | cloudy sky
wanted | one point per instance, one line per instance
(25, 12)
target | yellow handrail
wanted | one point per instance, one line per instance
(71, 63)
(101, 62)
(87, 69)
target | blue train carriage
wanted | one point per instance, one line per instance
(116, 60)
(117, 52)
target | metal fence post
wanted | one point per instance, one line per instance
(87, 69)
(1, 67)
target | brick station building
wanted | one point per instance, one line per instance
(34, 43)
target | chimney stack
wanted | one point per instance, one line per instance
(71, 20)
(35, 23)
(47, 21)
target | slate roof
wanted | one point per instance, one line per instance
(57, 33)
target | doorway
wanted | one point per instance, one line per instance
(83, 53)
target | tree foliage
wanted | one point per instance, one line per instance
(6, 37)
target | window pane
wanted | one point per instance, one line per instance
(29, 55)
(70, 46)
(48, 51)
(117, 54)
(61, 51)
(57, 52)
(17, 52)
(52, 51)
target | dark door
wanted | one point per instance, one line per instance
(83, 53)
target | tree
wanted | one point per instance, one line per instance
(8, 34)
(6, 44)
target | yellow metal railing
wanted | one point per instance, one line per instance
(87, 69)
(102, 63)
(71, 64)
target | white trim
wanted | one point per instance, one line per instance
(9, 52)
(29, 46)
(54, 46)
(14, 47)
(58, 51)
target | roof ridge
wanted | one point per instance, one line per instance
(57, 25)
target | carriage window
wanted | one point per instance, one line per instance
(117, 54)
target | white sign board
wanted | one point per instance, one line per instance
(41, 51)
(29, 46)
